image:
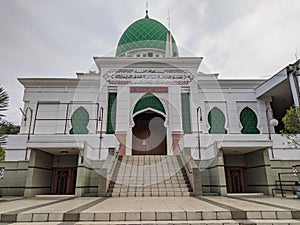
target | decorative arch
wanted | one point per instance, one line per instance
(79, 121)
(216, 120)
(248, 120)
(149, 101)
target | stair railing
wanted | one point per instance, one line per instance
(113, 165)
(282, 190)
(192, 172)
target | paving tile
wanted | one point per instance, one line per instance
(24, 217)
(163, 216)
(226, 215)
(254, 215)
(268, 215)
(56, 217)
(178, 194)
(71, 217)
(133, 216)
(284, 215)
(40, 217)
(117, 216)
(87, 216)
(209, 215)
(194, 215)
(240, 215)
(296, 214)
(179, 216)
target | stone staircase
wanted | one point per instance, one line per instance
(149, 176)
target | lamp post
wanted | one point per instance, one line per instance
(100, 135)
(273, 122)
(29, 129)
(199, 119)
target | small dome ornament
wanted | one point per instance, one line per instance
(147, 15)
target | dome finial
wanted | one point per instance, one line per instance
(147, 16)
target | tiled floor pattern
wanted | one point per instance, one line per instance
(152, 210)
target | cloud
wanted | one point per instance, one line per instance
(255, 44)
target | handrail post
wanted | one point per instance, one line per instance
(101, 127)
(198, 127)
(280, 183)
(29, 128)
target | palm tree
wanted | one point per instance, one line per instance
(3, 101)
(3, 107)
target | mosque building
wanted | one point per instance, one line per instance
(149, 123)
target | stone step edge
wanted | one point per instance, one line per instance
(151, 216)
(213, 222)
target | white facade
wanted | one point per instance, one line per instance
(181, 93)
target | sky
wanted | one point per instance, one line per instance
(239, 39)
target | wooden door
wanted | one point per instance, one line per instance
(235, 179)
(149, 135)
(64, 180)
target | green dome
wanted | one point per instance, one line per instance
(145, 34)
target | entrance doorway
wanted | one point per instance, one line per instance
(235, 179)
(64, 180)
(149, 134)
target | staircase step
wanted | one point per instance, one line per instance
(149, 176)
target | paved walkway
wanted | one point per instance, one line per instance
(151, 210)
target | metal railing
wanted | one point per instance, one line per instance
(64, 113)
(285, 185)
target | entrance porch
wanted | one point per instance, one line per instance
(52, 172)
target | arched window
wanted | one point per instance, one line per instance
(149, 101)
(79, 121)
(216, 120)
(248, 120)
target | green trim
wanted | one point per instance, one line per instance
(248, 120)
(111, 113)
(216, 120)
(186, 115)
(149, 101)
(145, 34)
(79, 121)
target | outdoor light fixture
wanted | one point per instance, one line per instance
(273, 122)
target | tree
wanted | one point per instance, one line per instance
(3, 107)
(2, 154)
(7, 127)
(291, 122)
(3, 101)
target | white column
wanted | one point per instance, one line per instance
(294, 89)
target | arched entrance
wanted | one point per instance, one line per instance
(149, 134)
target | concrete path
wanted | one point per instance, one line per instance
(151, 210)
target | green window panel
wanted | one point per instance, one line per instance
(111, 113)
(79, 121)
(149, 101)
(186, 116)
(248, 120)
(216, 120)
